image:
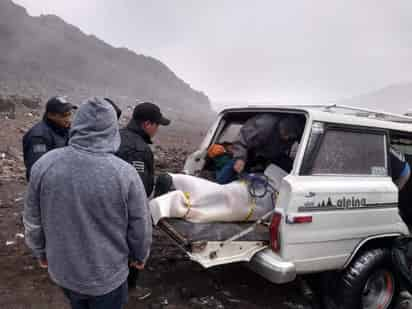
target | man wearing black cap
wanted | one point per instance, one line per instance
(137, 137)
(50, 133)
(134, 149)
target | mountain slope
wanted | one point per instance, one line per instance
(395, 98)
(46, 56)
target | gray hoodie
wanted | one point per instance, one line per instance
(86, 210)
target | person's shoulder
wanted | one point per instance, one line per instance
(132, 139)
(141, 145)
(124, 170)
(48, 159)
(265, 117)
(37, 130)
(121, 165)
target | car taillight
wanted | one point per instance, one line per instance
(299, 219)
(274, 229)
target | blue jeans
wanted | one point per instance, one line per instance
(227, 174)
(112, 300)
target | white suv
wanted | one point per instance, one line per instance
(336, 211)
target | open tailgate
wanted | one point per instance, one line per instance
(212, 244)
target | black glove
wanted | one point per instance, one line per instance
(164, 184)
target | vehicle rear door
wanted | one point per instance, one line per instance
(342, 194)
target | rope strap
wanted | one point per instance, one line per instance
(188, 204)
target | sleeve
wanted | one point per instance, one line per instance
(139, 230)
(398, 163)
(142, 161)
(251, 135)
(143, 164)
(406, 170)
(34, 150)
(34, 234)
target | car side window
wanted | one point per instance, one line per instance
(342, 151)
(230, 133)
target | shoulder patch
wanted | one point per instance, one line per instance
(139, 166)
(39, 148)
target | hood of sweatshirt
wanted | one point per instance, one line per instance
(95, 127)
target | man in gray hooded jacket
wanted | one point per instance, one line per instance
(86, 212)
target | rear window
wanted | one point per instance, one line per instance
(341, 151)
(230, 133)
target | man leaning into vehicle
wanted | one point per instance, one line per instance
(263, 139)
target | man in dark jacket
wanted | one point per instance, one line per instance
(137, 137)
(135, 150)
(86, 213)
(50, 133)
(267, 138)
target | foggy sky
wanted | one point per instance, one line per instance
(295, 51)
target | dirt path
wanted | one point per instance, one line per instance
(176, 282)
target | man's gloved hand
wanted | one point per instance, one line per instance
(164, 184)
(239, 166)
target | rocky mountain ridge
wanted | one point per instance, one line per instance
(44, 56)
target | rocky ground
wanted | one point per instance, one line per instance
(176, 282)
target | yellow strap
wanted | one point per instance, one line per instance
(253, 202)
(187, 203)
(251, 210)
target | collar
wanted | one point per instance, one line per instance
(58, 130)
(134, 126)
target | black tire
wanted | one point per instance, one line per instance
(357, 282)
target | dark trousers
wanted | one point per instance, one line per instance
(112, 300)
(133, 277)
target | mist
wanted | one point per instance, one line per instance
(271, 51)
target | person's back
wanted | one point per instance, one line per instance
(265, 138)
(94, 211)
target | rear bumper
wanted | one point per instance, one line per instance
(270, 266)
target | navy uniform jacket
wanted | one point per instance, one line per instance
(41, 138)
(135, 150)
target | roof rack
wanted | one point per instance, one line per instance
(364, 112)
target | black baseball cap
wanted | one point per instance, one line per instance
(59, 105)
(149, 111)
(116, 108)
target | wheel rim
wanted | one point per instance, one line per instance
(378, 291)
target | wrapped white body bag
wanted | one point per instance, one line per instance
(202, 201)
